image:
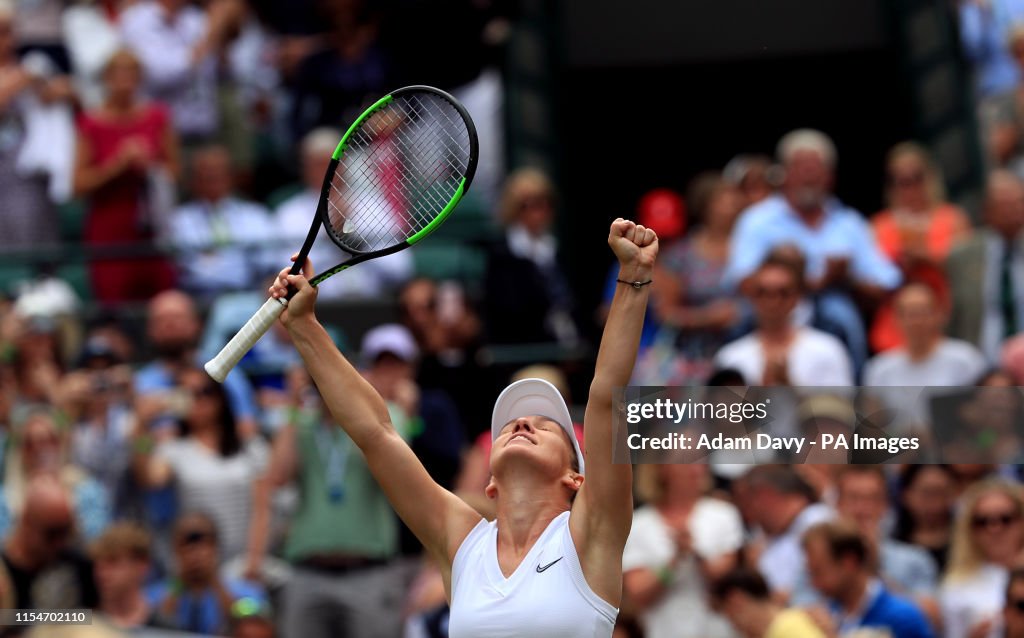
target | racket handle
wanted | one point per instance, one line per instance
(229, 356)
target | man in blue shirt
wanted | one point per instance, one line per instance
(841, 567)
(196, 599)
(985, 27)
(843, 261)
(909, 570)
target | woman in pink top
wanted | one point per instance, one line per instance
(916, 231)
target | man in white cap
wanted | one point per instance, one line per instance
(550, 564)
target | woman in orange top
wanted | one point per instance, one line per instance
(916, 231)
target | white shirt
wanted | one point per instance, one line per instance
(220, 487)
(540, 250)
(965, 603)
(904, 385)
(250, 58)
(684, 611)
(373, 278)
(814, 359)
(164, 45)
(229, 245)
(546, 597)
(782, 562)
(91, 39)
(952, 362)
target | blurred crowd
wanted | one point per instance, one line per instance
(190, 140)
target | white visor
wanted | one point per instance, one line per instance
(534, 397)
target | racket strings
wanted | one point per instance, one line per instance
(409, 181)
(399, 171)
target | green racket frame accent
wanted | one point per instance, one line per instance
(429, 228)
(316, 281)
(261, 322)
(362, 118)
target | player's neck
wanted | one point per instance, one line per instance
(518, 532)
(524, 512)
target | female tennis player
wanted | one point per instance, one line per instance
(550, 565)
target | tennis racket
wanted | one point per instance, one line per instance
(396, 175)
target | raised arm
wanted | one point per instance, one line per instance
(603, 509)
(438, 518)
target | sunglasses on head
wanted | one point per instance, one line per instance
(982, 521)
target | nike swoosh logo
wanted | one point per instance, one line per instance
(540, 569)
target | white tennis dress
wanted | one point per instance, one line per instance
(546, 597)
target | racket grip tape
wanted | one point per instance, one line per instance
(229, 356)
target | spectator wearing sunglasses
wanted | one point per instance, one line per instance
(40, 449)
(196, 598)
(916, 231)
(780, 352)
(213, 466)
(38, 567)
(988, 540)
(1013, 612)
(524, 266)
